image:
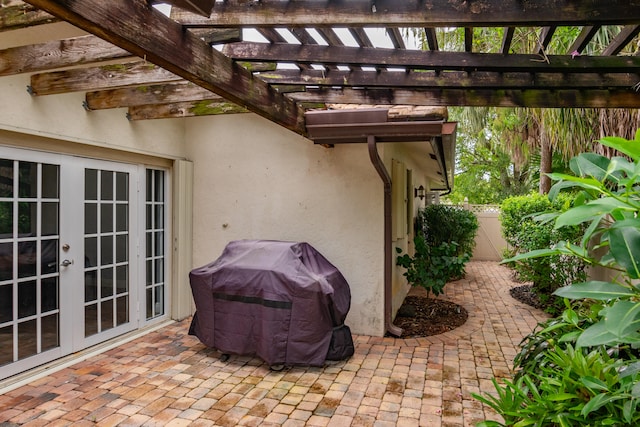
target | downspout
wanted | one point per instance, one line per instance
(388, 260)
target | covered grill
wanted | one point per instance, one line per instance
(282, 301)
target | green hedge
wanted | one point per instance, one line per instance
(523, 233)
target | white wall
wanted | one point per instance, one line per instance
(256, 180)
(63, 117)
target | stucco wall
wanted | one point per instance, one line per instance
(256, 180)
(63, 117)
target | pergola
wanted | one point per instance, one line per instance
(200, 61)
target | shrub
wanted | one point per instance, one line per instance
(444, 241)
(524, 232)
(582, 369)
(445, 224)
(431, 267)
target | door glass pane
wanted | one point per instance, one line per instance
(91, 320)
(27, 218)
(6, 261)
(6, 219)
(106, 185)
(49, 294)
(26, 299)
(91, 184)
(27, 338)
(122, 186)
(28, 187)
(49, 218)
(106, 282)
(106, 217)
(27, 257)
(106, 250)
(106, 308)
(50, 326)
(122, 310)
(50, 181)
(122, 217)
(6, 175)
(90, 218)
(49, 256)
(6, 345)
(6, 303)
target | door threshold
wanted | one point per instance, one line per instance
(41, 371)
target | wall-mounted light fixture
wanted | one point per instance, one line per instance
(419, 192)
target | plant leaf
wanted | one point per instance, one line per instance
(598, 401)
(594, 383)
(630, 148)
(624, 244)
(592, 210)
(595, 290)
(623, 319)
(590, 164)
(596, 334)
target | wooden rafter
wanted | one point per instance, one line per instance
(147, 95)
(15, 15)
(452, 79)
(106, 76)
(534, 98)
(140, 29)
(416, 13)
(206, 107)
(445, 61)
(622, 39)
(583, 39)
(58, 54)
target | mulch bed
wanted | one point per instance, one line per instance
(525, 295)
(421, 316)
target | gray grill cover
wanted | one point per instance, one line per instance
(278, 300)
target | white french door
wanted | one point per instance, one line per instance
(68, 255)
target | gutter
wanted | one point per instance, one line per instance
(388, 258)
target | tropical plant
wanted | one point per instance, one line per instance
(445, 224)
(523, 233)
(443, 244)
(582, 369)
(431, 267)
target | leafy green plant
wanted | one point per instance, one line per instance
(582, 369)
(443, 244)
(445, 224)
(431, 267)
(525, 233)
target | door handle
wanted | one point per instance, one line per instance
(66, 263)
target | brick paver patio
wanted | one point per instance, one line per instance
(168, 378)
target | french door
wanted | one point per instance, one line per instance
(69, 258)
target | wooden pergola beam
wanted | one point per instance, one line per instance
(17, 15)
(58, 54)
(534, 98)
(417, 13)
(148, 95)
(134, 25)
(102, 77)
(623, 38)
(428, 60)
(206, 107)
(452, 79)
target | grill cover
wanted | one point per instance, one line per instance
(282, 301)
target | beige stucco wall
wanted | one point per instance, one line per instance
(256, 180)
(63, 117)
(407, 155)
